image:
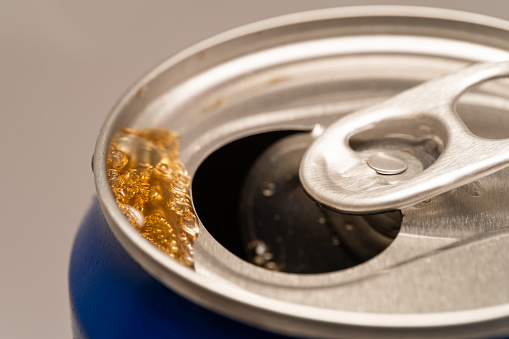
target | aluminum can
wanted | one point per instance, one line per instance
(245, 104)
(113, 297)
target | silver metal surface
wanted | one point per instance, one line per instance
(386, 163)
(336, 175)
(445, 274)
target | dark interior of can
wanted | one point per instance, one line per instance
(217, 207)
(264, 216)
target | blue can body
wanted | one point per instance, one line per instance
(113, 297)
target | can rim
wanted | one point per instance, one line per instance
(196, 287)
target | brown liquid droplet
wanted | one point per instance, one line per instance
(152, 188)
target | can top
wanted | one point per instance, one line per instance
(301, 72)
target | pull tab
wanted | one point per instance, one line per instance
(355, 181)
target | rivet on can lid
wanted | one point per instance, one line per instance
(387, 163)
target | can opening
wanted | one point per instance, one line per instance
(263, 215)
(483, 109)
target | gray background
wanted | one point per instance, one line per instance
(63, 65)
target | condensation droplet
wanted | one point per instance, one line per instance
(114, 178)
(187, 259)
(117, 160)
(112, 173)
(258, 260)
(268, 256)
(271, 266)
(162, 167)
(261, 248)
(179, 186)
(190, 224)
(349, 227)
(177, 196)
(181, 170)
(180, 207)
(134, 175)
(125, 192)
(268, 189)
(133, 215)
